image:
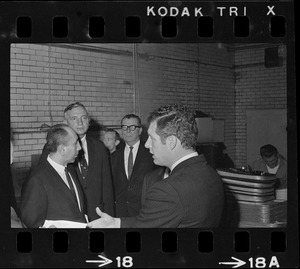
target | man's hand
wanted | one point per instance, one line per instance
(105, 221)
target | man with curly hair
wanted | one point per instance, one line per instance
(191, 195)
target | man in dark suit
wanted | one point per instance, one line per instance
(52, 191)
(15, 221)
(191, 196)
(130, 163)
(91, 165)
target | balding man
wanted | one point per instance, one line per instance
(92, 164)
(52, 191)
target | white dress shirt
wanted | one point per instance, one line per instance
(84, 146)
(60, 169)
(134, 153)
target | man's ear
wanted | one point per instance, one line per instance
(171, 142)
(65, 117)
(65, 121)
(140, 130)
(61, 149)
(117, 142)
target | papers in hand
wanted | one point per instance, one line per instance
(63, 224)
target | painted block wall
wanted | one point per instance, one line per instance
(257, 88)
(112, 80)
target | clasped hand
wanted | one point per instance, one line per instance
(105, 221)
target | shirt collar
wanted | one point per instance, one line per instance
(135, 146)
(193, 154)
(84, 144)
(83, 139)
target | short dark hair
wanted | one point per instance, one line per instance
(129, 116)
(117, 135)
(176, 120)
(56, 136)
(73, 105)
(268, 151)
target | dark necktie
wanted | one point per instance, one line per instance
(71, 186)
(130, 162)
(83, 166)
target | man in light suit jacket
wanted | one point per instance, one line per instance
(128, 181)
(191, 196)
(91, 165)
(52, 191)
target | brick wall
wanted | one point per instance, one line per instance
(257, 87)
(111, 80)
(115, 79)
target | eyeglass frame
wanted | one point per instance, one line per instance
(130, 127)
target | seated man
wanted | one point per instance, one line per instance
(191, 195)
(272, 162)
(52, 192)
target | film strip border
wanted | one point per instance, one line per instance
(167, 248)
(164, 21)
(88, 21)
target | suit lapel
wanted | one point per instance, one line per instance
(120, 161)
(123, 170)
(138, 159)
(76, 164)
(78, 187)
(91, 150)
(61, 184)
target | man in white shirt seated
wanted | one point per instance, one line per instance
(52, 191)
(273, 163)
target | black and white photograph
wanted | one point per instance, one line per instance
(148, 134)
(237, 94)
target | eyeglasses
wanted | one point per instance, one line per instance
(130, 127)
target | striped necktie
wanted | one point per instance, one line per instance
(83, 166)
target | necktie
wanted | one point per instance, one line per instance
(130, 162)
(83, 166)
(71, 186)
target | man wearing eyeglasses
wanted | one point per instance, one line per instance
(191, 195)
(130, 163)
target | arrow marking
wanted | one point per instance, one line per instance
(103, 261)
(236, 264)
